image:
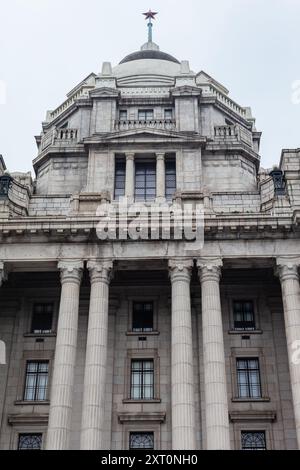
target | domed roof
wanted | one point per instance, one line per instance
(147, 66)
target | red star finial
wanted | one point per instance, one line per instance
(150, 15)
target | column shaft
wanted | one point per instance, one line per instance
(182, 391)
(216, 401)
(96, 358)
(160, 177)
(59, 428)
(289, 279)
(129, 178)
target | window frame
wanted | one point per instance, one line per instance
(119, 159)
(38, 373)
(141, 432)
(143, 373)
(146, 111)
(250, 431)
(142, 354)
(138, 162)
(155, 300)
(168, 160)
(30, 434)
(249, 382)
(123, 111)
(42, 332)
(29, 305)
(256, 308)
(166, 110)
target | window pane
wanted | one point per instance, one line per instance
(141, 440)
(123, 115)
(243, 313)
(145, 180)
(142, 379)
(36, 381)
(170, 178)
(42, 318)
(30, 442)
(253, 440)
(248, 378)
(142, 316)
(120, 175)
(168, 113)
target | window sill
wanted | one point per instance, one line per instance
(142, 333)
(33, 402)
(129, 400)
(245, 332)
(250, 400)
(39, 335)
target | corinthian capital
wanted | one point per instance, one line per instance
(100, 270)
(209, 268)
(70, 270)
(287, 268)
(180, 268)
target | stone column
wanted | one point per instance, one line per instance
(160, 177)
(216, 401)
(287, 270)
(93, 407)
(2, 273)
(130, 177)
(182, 387)
(59, 428)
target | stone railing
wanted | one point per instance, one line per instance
(66, 134)
(165, 124)
(233, 132)
(83, 92)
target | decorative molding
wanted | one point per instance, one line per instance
(250, 416)
(27, 419)
(154, 416)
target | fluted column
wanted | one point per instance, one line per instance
(287, 270)
(216, 401)
(58, 436)
(129, 179)
(160, 177)
(96, 357)
(182, 391)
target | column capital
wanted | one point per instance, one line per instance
(129, 155)
(160, 155)
(100, 270)
(209, 268)
(70, 270)
(287, 267)
(180, 269)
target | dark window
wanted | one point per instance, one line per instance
(36, 380)
(253, 440)
(170, 182)
(145, 181)
(142, 316)
(141, 440)
(248, 378)
(123, 114)
(243, 314)
(30, 441)
(120, 175)
(142, 379)
(42, 318)
(168, 113)
(145, 114)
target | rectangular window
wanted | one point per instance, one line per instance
(142, 316)
(145, 181)
(42, 318)
(30, 441)
(170, 183)
(168, 114)
(141, 440)
(253, 440)
(248, 378)
(36, 381)
(123, 114)
(243, 315)
(142, 379)
(146, 114)
(120, 176)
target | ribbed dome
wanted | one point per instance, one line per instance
(149, 54)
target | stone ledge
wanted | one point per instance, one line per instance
(154, 416)
(236, 416)
(27, 419)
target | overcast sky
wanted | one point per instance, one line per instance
(48, 46)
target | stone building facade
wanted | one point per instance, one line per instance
(124, 343)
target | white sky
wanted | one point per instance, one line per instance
(48, 46)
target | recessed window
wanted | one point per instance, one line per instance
(142, 316)
(36, 380)
(253, 440)
(30, 441)
(120, 177)
(145, 180)
(42, 318)
(168, 114)
(142, 379)
(243, 315)
(123, 114)
(141, 440)
(248, 378)
(145, 114)
(170, 176)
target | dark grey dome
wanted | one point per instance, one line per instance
(149, 54)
